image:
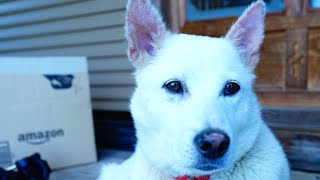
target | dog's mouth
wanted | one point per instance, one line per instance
(196, 171)
(204, 169)
(204, 172)
(207, 167)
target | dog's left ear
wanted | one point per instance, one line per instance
(145, 31)
(248, 32)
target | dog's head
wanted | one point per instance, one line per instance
(194, 107)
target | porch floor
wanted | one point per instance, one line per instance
(91, 171)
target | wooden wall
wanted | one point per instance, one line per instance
(92, 28)
(287, 74)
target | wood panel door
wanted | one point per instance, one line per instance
(288, 76)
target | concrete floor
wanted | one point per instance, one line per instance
(91, 171)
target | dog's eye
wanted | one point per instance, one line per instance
(231, 88)
(173, 86)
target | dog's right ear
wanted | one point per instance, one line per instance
(145, 30)
(248, 32)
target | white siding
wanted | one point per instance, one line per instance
(92, 28)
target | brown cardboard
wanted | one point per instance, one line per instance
(42, 114)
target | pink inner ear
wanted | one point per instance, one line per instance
(144, 27)
(248, 32)
(133, 53)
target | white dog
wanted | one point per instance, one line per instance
(194, 108)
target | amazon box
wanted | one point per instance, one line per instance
(45, 107)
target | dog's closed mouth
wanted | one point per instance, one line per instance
(208, 167)
(205, 164)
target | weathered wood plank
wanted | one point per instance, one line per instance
(302, 149)
(270, 71)
(295, 119)
(294, 8)
(274, 22)
(296, 75)
(314, 59)
(290, 99)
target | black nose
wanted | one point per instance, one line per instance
(212, 143)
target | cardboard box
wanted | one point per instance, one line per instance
(45, 107)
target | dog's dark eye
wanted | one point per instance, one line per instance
(173, 86)
(231, 88)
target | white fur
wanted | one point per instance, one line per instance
(166, 123)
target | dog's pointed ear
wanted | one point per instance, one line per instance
(145, 30)
(248, 32)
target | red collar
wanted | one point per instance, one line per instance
(205, 177)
